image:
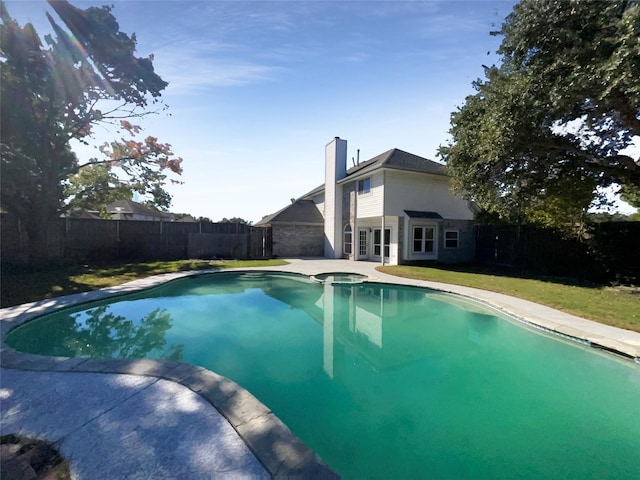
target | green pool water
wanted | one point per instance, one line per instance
(382, 381)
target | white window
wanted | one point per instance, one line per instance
(347, 244)
(364, 186)
(423, 239)
(451, 238)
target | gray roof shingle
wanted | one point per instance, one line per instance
(300, 211)
(399, 160)
(396, 159)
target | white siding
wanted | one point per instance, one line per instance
(422, 192)
(371, 204)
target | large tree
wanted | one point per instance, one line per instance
(547, 130)
(85, 74)
(93, 188)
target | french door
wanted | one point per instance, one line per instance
(363, 243)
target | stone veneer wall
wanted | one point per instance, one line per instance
(466, 242)
(349, 213)
(291, 240)
(347, 199)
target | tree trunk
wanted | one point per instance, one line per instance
(40, 220)
(38, 227)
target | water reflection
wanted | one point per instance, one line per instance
(391, 326)
(99, 333)
(387, 325)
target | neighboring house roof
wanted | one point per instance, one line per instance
(82, 213)
(399, 160)
(129, 207)
(180, 217)
(300, 211)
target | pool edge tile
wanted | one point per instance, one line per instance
(283, 454)
(241, 407)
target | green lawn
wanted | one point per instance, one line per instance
(617, 306)
(27, 285)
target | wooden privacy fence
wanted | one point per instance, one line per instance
(604, 251)
(89, 239)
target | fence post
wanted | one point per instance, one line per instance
(264, 243)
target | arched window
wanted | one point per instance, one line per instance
(347, 244)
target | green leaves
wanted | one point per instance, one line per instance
(97, 38)
(95, 187)
(55, 92)
(547, 129)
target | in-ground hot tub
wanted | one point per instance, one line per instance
(339, 278)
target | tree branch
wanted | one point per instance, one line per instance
(628, 114)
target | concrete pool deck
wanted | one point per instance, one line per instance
(149, 418)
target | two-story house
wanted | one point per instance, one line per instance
(394, 208)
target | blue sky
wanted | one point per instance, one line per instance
(256, 89)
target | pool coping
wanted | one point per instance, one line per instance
(614, 340)
(279, 450)
(275, 446)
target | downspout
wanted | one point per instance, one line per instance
(356, 235)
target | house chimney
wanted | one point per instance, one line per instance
(335, 170)
(336, 157)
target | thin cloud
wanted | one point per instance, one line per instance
(191, 67)
(232, 16)
(218, 74)
(356, 58)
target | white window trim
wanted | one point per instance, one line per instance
(344, 238)
(411, 255)
(424, 240)
(382, 242)
(451, 230)
(363, 248)
(364, 194)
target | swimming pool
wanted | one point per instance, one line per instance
(380, 380)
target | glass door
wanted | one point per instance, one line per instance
(363, 243)
(377, 242)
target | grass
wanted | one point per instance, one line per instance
(30, 284)
(616, 306)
